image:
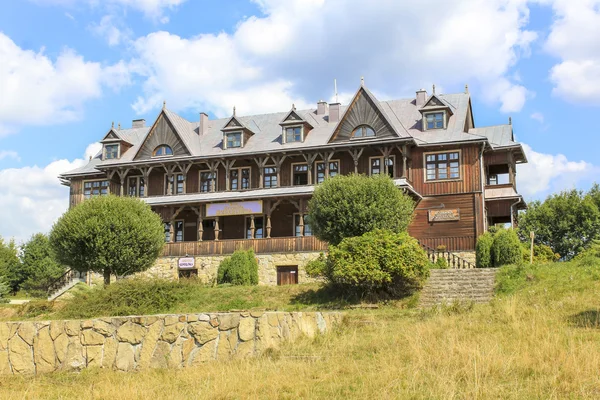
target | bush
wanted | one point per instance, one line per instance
(590, 256)
(441, 263)
(109, 235)
(352, 205)
(483, 250)
(506, 248)
(378, 260)
(4, 290)
(39, 267)
(541, 253)
(35, 308)
(239, 269)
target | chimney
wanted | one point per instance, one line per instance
(421, 97)
(138, 123)
(334, 112)
(203, 123)
(321, 107)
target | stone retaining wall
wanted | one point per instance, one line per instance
(158, 341)
(207, 266)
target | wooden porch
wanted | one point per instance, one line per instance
(260, 246)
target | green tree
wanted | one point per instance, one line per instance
(108, 235)
(483, 250)
(566, 222)
(39, 266)
(377, 260)
(506, 248)
(352, 205)
(239, 269)
(10, 265)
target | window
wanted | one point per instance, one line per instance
(162, 150)
(442, 166)
(270, 177)
(111, 151)
(363, 131)
(180, 179)
(208, 181)
(376, 166)
(334, 167)
(307, 229)
(293, 134)
(233, 140)
(95, 188)
(136, 186)
(239, 179)
(258, 228)
(435, 120)
(178, 231)
(299, 174)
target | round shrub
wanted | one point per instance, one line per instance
(483, 250)
(377, 260)
(441, 263)
(506, 248)
(239, 269)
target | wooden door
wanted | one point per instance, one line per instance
(287, 275)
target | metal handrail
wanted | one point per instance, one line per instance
(454, 261)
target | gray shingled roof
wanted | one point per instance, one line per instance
(402, 114)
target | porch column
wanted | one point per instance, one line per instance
(213, 166)
(146, 176)
(216, 228)
(269, 226)
(252, 227)
(356, 153)
(172, 232)
(310, 160)
(301, 223)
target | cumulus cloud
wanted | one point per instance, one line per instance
(111, 30)
(547, 173)
(33, 198)
(574, 40)
(37, 90)
(9, 154)
(298, 47)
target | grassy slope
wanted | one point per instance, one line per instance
(538, 339)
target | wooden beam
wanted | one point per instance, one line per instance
(310, 160)
(261, 162)
(228, 164)
(356, 153)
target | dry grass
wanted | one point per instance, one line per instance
(541, 343)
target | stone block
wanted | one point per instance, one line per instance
(91, 338)
(110, 352)
(27, 332)
(246, 329)
(149, 344)
(131, 333)
(228, 321)
(202, 331)
(43, 351)
(94, 356)
(170, 333)
(72, 328)
(125, 360)
(21, 356)
(103, 327)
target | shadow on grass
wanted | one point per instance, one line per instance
(586, 319)
(336, 297)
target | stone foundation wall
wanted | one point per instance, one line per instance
(158, 341)
(207, 266)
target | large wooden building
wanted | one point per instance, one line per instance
(245, 181)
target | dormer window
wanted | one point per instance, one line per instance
(162, 150)
(435, 120)
(363, 131)
(233, 139)
(293, 134)
(111, 151)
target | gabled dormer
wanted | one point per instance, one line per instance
(294, 128)
(436, 113)
(113, 145)
(235, 133)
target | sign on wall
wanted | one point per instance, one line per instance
(444, 215)
(186, 263)
(235, 208)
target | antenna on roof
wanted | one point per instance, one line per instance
(434, 88)
(467, 89)
(362, 81)
(510, 120)
(335, 89)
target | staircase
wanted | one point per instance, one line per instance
(458, 285)
(64, 283)
(454, 261)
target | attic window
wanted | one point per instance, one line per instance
(233, 140)
(435, 120)
(162, 150)
(111, 151)
(293, 134)
(363, 131)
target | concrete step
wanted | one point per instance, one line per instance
(450, 285)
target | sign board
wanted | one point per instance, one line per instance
(234, 208)
(186, 263)
(444, 215)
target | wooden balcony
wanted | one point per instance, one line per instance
(260, 246)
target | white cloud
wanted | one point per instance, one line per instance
(109, 29)
(538, 116)
(574, 40)
(297, 48)
(33, 198)
(36, 90)
(547, 173)
(9, 154)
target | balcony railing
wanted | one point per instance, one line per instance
(260, 246)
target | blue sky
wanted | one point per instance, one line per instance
(70, 67)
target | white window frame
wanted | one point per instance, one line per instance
(292, 173)
(278, 177)
(460, 166)
(92, 181)
(239, 170)
(382, 162)
(284, 133)
(339, 164)
(444, 120)
(226, 134)
(215, 181)
(352, 137)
